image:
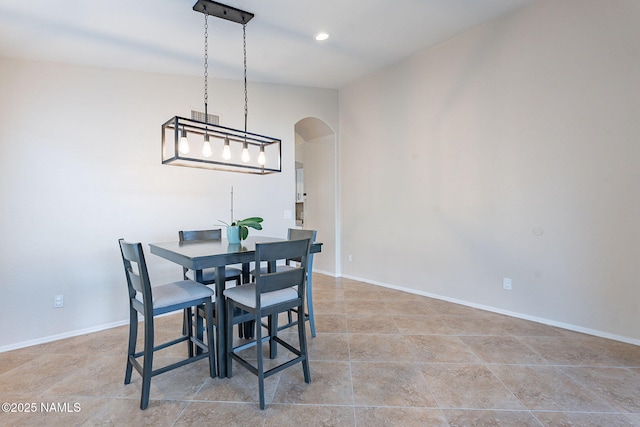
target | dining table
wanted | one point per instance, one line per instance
(197, 255)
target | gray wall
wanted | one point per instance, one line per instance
(80, 168)
(509, 151)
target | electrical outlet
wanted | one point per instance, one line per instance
(506, 283)
(349, 257)
(58, 301)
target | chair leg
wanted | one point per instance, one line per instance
(312, 323)
(229, 337)
(133, 337)
(147, 364)
(260, 364)
(210, 340)
(187, 329)
(302, 338)
(272, 326)
(248, 329)
(199, 330)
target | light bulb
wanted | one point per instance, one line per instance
(206, 147)
(261, 157)
(226, 151)
(245, 152)
(183, 145)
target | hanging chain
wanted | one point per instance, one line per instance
(244, 46)
(206, 66)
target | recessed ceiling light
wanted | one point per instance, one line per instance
(322, 36)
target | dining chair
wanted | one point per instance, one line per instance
(270, 294)
(151, 302)
(209, 274)
(297, 234)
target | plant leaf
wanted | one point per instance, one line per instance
(252, 224)
(254, 219)
(244, 232)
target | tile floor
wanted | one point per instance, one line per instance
(381, 358)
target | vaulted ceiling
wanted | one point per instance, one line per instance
(167, 36)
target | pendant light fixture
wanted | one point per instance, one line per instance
(223, 148)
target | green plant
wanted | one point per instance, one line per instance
(244, 224)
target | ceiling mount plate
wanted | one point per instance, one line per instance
(220, 10)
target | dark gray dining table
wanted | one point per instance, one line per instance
(199, 254)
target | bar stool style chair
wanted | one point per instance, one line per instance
(181, 295)
(208, 274)
(297, 234)
(272, 293)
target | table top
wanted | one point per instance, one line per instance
(201, 254)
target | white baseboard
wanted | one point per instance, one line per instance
(62, 336)
(326, 273)
(544, 321)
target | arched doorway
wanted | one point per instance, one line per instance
(316, 207)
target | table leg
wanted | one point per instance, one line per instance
(272, 321)
(199, 325)
(309, 291)
(221, 344)
(245, 330)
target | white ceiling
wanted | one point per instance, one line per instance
(167, 36)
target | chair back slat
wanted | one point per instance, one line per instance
(298, 234)
(134, 277)
(135, 269)
(214, 234)
(275, 251)
(283, 279)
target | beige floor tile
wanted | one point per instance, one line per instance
(120, 412)
(328, 347)
(222, 414)
(100, 375)
(565, 351)
(371, 324)
(330, 385)
(331, 323)
(390, 384)
(242, 387)
(468, 386)
(620, 387)
(415, 306)
(178, 384)
(42, 373)
(484, 324)
(502, 350)
(14, 359)
(573, 419)
(405, 417)
(548, 388)
(379, 348)
(471, 418)
(306, 415)
(613, 352)
(328, 307)
(422, 325)
(364, 307)
(439, 349)
(444, 308)
(413, 360)
(525, 328)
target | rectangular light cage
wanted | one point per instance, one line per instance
(177, 127)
